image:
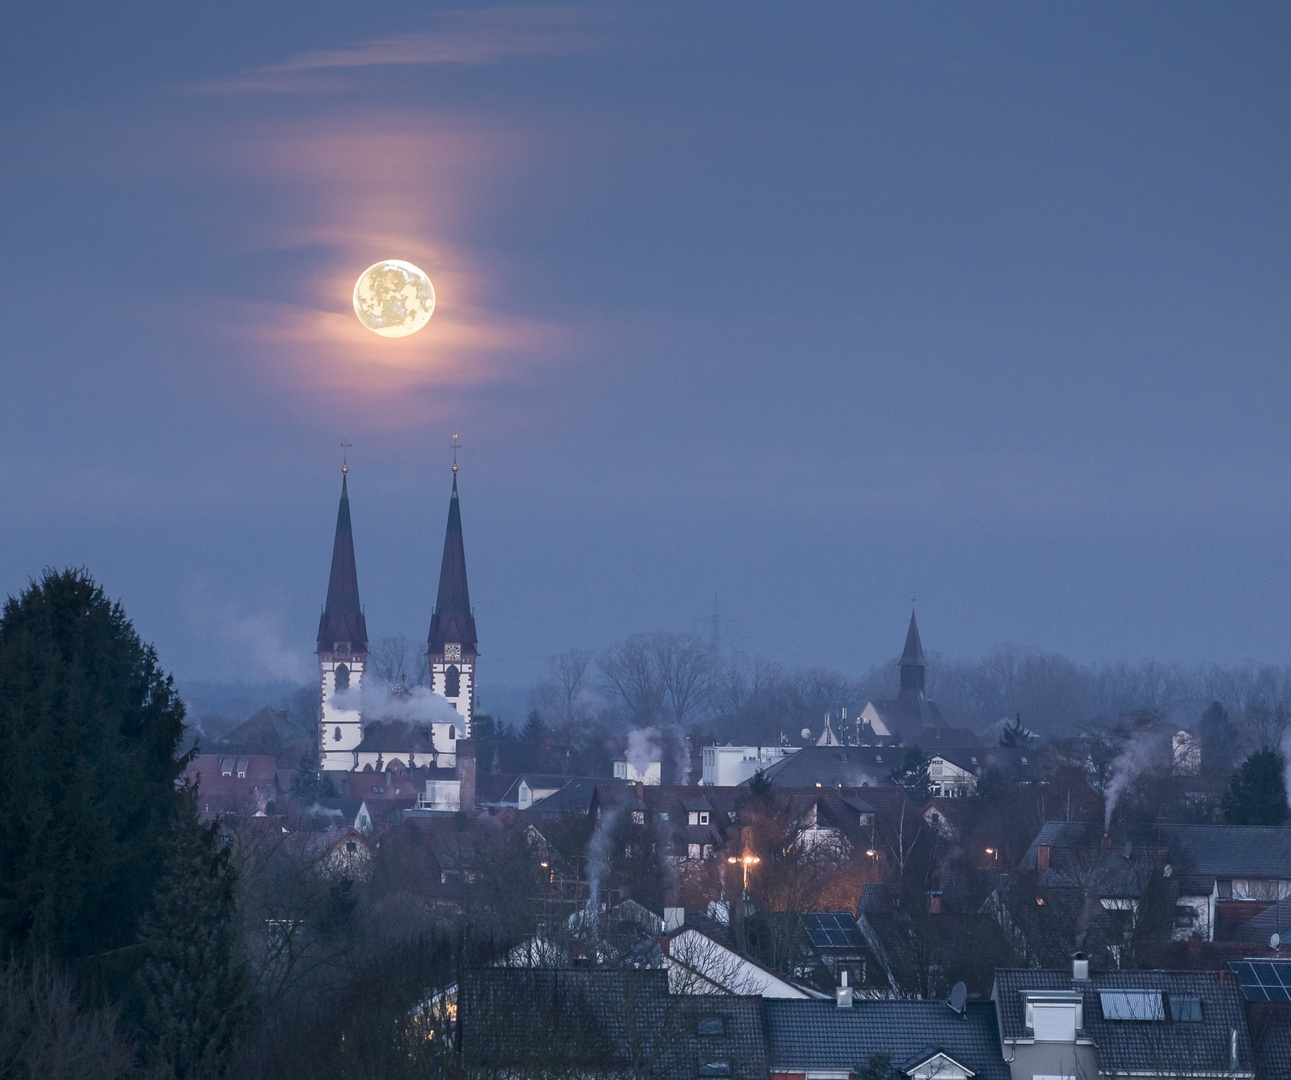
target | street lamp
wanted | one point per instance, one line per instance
(746, 861)
(994, 854)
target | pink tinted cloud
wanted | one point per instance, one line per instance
(460, 37)
(360, 191)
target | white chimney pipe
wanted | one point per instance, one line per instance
(1232, 1050)
(843, 993)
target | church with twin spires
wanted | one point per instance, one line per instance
(349, 741)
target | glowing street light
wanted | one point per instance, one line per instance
(746, 861)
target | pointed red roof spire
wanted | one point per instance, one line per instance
(452, 620)
(342, 618)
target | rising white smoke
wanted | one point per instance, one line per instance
(645, 746)
(1145, 753)
(379, 701)
(598, 861)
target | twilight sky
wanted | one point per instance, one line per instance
(817, 307)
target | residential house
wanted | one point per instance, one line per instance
(604, 1023)
(923, 1040)
(1076, 1023)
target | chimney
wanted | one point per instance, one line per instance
(466, 773)
(843, 994)
(1107, 840)
(1042, 857)
(640, 789)
(1079, 967)
(1232, 1050)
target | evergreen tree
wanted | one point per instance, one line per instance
(1256, 794)
(534, 730)
(913, 775)
(191, 991)
(90, 727)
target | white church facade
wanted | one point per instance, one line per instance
(349, 741)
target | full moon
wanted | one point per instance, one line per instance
(393, 298)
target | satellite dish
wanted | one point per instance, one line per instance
(958, 998)
(806, 733)
(1275, 941)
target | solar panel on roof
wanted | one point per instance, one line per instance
(1263, 980)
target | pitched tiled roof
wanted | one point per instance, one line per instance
(1058, 834)
(573, 797)
(1195, 850)
(829, 766)
(268, 731)
(1229, 850)
(561, 1021)
(396, 737)
(908, 715)
(807, 1036)
(1127, 1045)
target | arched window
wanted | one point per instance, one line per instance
(452, 733)
(452, 682)
(342, 677)
(336, 735)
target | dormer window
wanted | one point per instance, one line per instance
(1054, 1016)
(703, 817)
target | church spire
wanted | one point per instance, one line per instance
(452, 622)
(913, 664)
(342, 619)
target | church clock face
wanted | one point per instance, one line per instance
(452, 652)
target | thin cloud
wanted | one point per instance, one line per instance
(462, 38)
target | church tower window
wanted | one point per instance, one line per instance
(452, 682)
(336, 735)
(342, 677)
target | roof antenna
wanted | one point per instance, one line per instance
(345, 457)
(456, 446)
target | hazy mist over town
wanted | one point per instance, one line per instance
(645, 542)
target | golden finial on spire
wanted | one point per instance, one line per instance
(345, 457)
(456, 446)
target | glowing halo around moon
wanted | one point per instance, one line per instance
(393, 298)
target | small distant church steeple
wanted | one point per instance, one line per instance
(451, 645)
(913, 664)
(342, 646)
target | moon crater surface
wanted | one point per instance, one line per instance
(393, 298)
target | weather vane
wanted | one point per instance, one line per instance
(456, 446)
(345, 457)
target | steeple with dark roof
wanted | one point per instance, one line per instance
(342, 620)
(452, 621)
(913, 665)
